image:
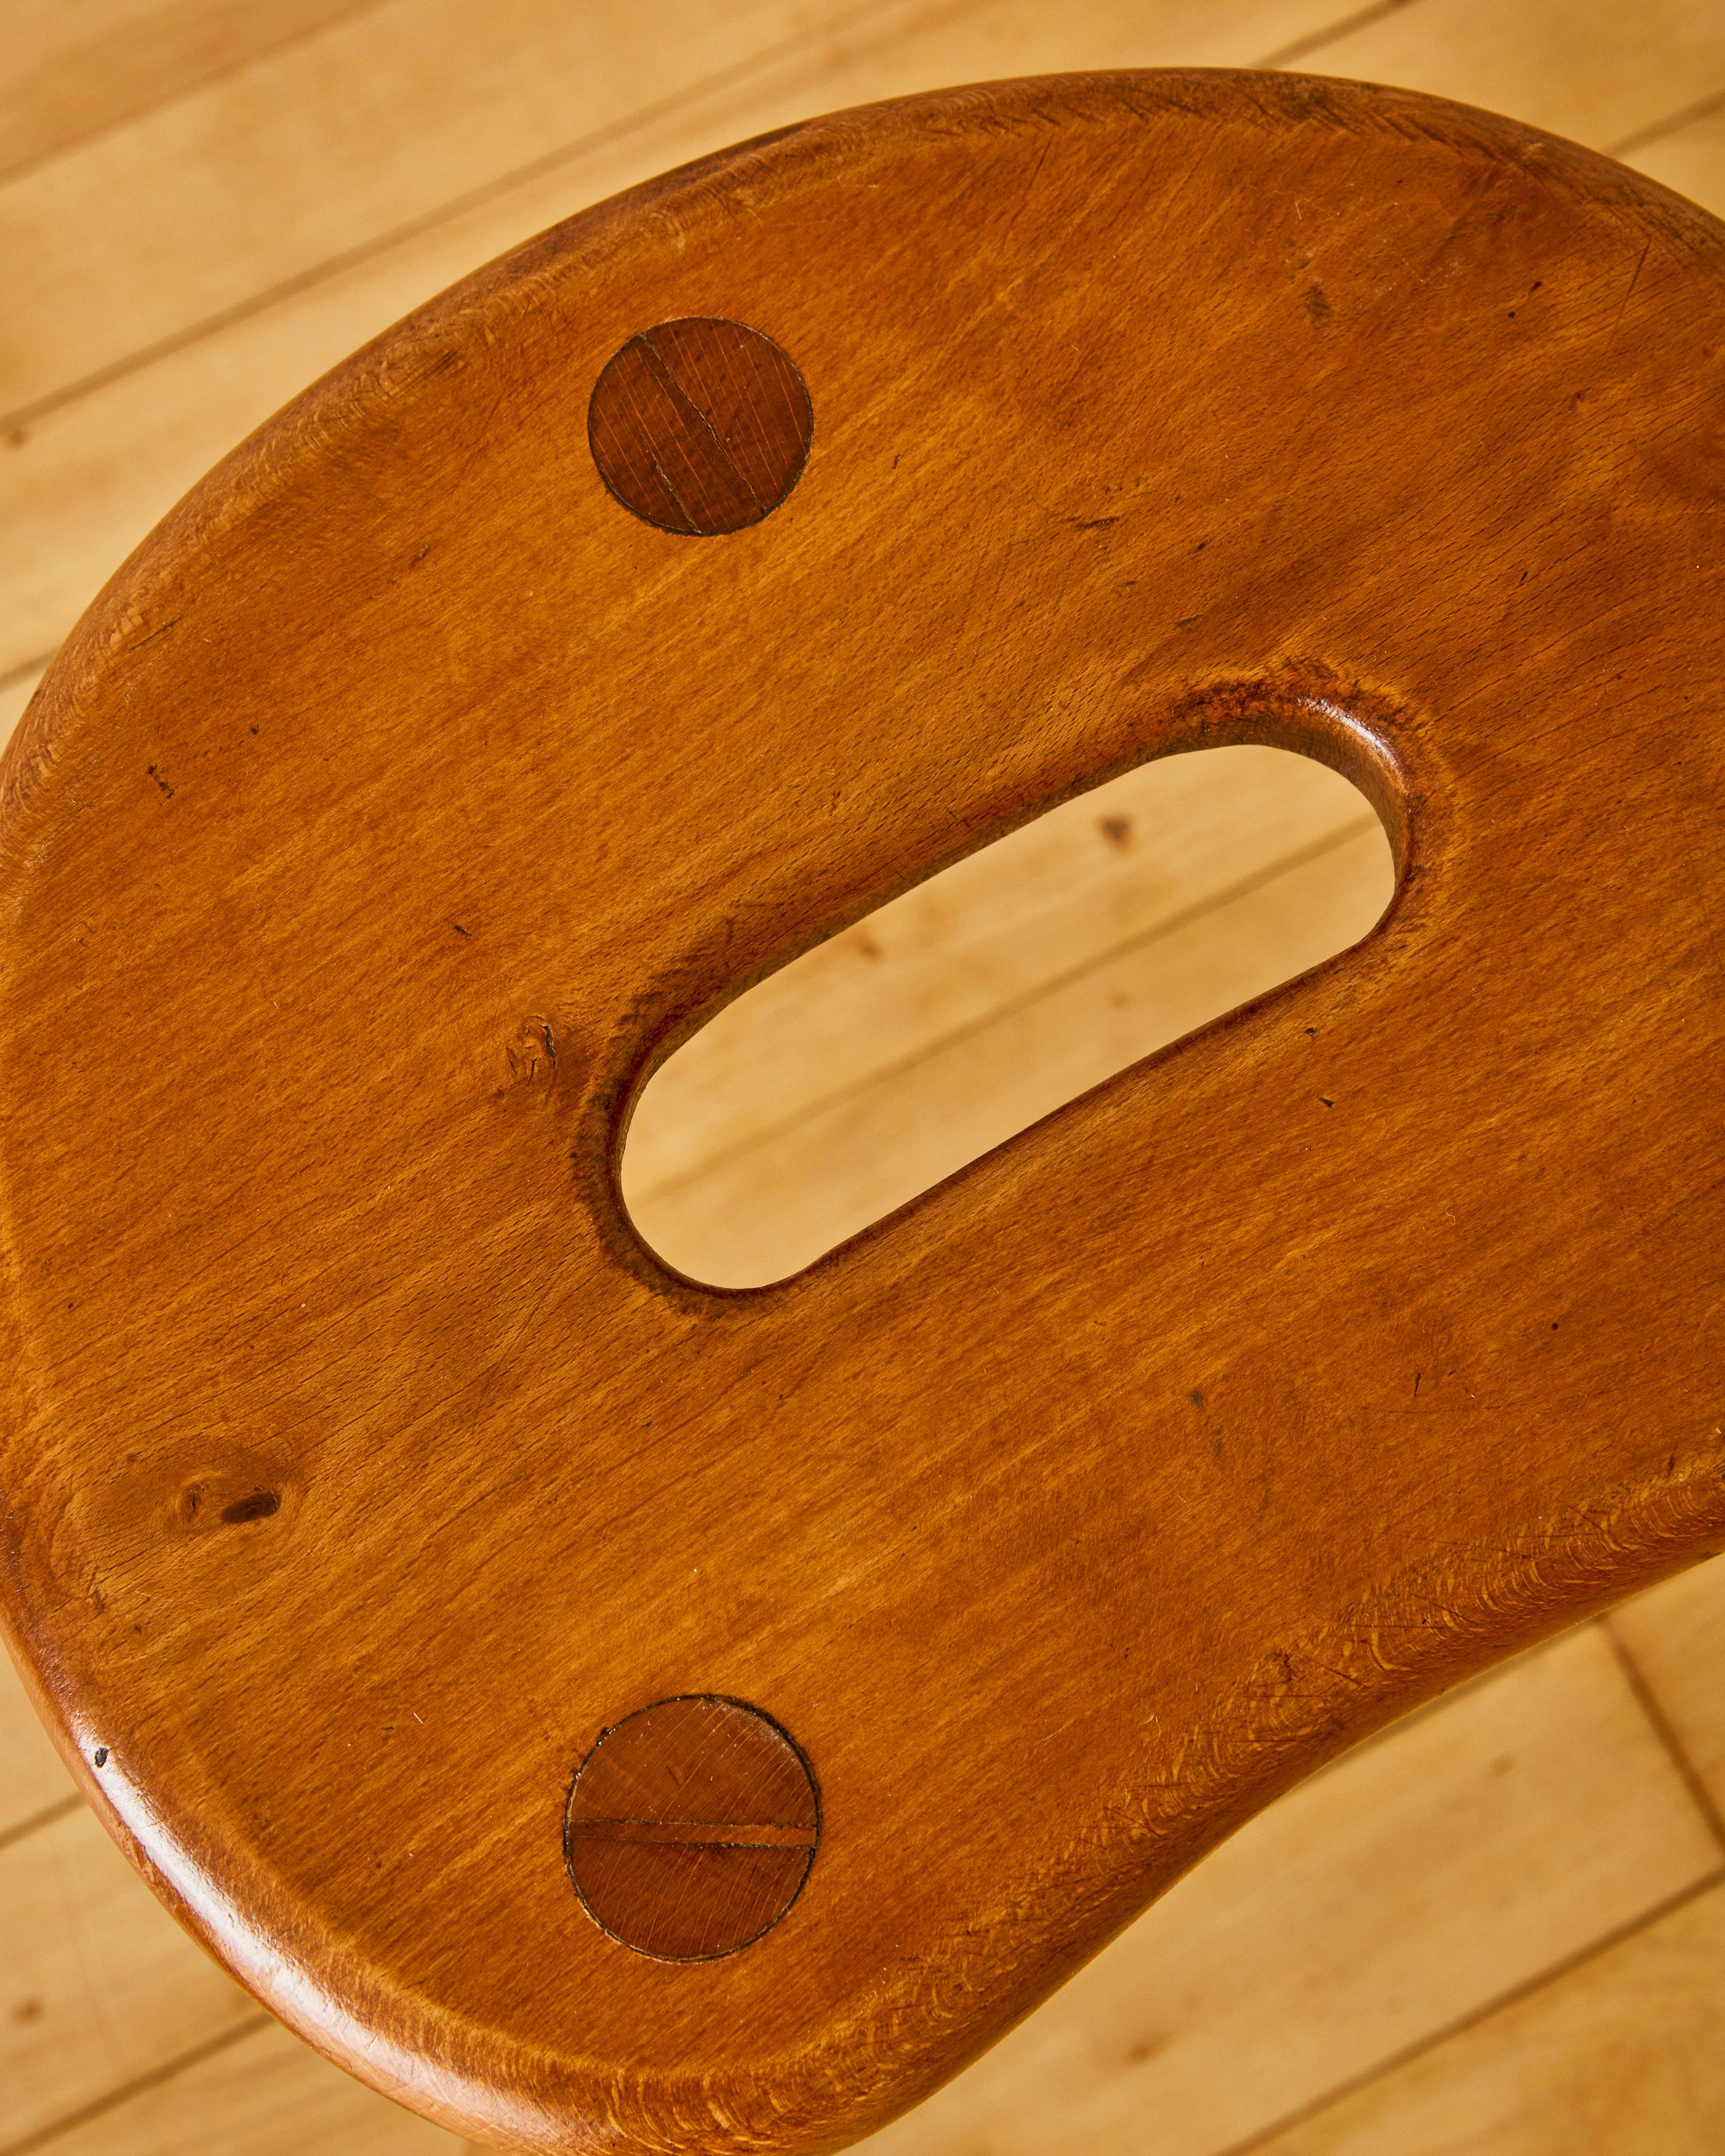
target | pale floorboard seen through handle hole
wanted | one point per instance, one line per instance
(945, 1022)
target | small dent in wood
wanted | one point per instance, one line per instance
(242, 1492)
(532, 1054)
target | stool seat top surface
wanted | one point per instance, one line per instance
(609, 1712)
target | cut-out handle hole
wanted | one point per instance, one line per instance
(929, 1032)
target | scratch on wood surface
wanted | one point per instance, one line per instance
(1635, 280)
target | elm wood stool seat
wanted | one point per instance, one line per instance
(608, 1712)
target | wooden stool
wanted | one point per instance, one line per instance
(610, 1713)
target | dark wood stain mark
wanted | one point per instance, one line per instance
(700, 426)
(259, 1505)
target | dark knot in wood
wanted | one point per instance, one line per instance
(700, 426)
(692, 1827)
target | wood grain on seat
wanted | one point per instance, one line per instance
(1066, 1518)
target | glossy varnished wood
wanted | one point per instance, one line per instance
(1067, 1517)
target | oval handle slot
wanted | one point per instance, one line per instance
(940, 1025)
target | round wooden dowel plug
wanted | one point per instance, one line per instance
(692, 1827)
(700, 426)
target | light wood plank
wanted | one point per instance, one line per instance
(266, 2095)
(344, 138)
(1692, 159)
(15, 693)
(32, 1779)
(1676, 1636)
(1598, 74)
(328, 147)
(1622, 2056)
(1407, 1887)
(70, 68)
(773, 1206)
(98, 1985)
(1117, 864)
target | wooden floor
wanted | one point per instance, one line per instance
(1500, 1927)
